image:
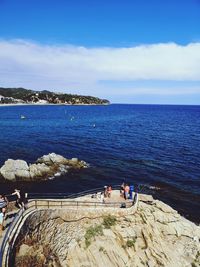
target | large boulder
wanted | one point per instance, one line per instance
(40, 170)
(13, 169)
(46, 166)
(140, 239)
(52, 159)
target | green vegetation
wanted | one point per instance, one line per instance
(109, 221)
(21, 95)
(97, 230)
(196, 262)
(131, 242)
(91, 232)
(123, 246)
(101, 249)
(194, 265)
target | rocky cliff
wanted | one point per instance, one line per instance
(156, 235)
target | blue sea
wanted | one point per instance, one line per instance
(154, 145)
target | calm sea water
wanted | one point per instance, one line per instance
(157, 145)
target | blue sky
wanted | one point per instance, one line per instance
(131, 51)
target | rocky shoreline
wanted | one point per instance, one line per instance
(156, 235)
(48, 166)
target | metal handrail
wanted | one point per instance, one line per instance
(33, 195)
(7, 234)
(9, 239)
(76, 202)
(74, 195)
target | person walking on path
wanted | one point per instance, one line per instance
(20, 199)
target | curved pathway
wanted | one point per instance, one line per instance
(91, 203)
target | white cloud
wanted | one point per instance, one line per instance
(32, 65)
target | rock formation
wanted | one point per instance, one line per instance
(156, 235)
(45, 167)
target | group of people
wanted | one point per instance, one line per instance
(126, 191)
(20, 203)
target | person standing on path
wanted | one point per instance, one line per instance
(126, 191)
(20, 199)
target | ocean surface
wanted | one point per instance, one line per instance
(155, 145)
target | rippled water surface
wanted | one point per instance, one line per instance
(147, 144)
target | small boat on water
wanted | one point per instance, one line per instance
(22, 117)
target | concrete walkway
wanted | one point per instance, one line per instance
(92, 202)
(89, 203)
(115, 198)
(12, 210)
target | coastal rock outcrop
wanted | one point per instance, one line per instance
(52, 159)
(12, 169)
(156, 235)
(45, 167)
